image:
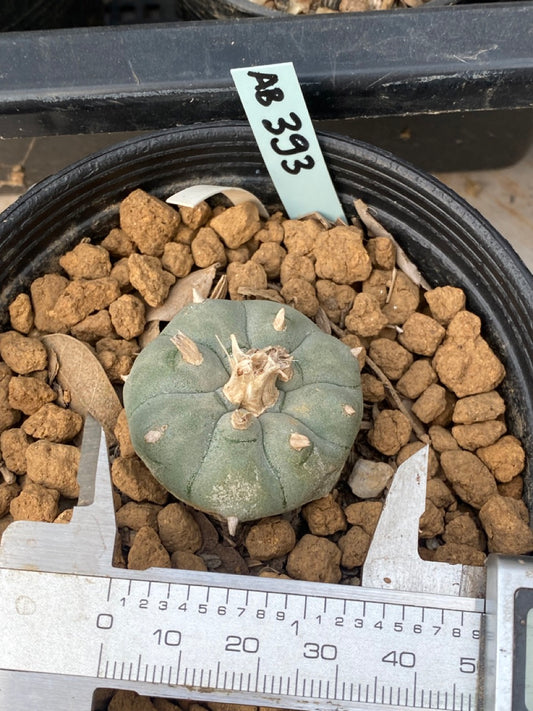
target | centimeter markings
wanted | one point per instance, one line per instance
(330, 648)
(277, 644)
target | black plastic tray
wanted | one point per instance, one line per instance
(407, 69)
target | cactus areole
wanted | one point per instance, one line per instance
(244, 409)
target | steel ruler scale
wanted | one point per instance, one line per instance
(72, 623)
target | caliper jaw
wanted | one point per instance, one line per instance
(86, 544)
(393, 562)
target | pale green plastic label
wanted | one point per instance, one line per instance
(278, 115)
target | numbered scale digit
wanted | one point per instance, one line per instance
(360, 651)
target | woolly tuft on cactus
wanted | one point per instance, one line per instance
(243, 409)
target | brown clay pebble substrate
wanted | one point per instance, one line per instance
(428, 375)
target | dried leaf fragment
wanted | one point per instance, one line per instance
(197, 298)
(183, 293)
(322, 321)
(151, 331)
(7, 474)
(220, 290)
(80, 372)
(192, 196)
(376, 229)
(266, 294)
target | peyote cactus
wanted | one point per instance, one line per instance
(243, 408)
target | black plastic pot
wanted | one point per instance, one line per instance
(449, 241)
(448, 88)
(130, 12)
(223, 9)
(49, 14)
(220, 9)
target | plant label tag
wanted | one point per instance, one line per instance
(278, 115)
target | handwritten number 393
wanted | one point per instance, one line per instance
(266, 93)
(298, 165)
(283, 125)
(298, 142)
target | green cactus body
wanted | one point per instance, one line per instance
(244, 409)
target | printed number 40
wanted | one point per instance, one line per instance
(402, 659)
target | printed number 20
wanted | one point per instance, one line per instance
(234, 643)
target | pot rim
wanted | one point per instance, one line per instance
(366, 150)
(383, 160)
